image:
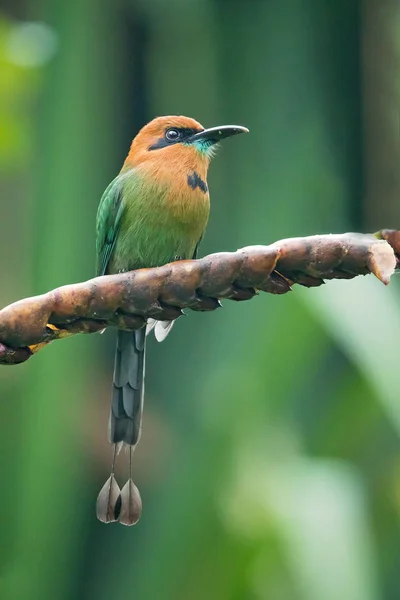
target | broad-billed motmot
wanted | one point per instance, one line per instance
(154, 212)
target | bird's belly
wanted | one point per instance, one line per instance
(145, 247)
(159, 229)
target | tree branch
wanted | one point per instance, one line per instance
(127, 299)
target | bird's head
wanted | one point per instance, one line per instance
(177, 140)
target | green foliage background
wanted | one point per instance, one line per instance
(269, 463)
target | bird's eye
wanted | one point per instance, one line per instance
(172, 135)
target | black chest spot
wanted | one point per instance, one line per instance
(195, 181)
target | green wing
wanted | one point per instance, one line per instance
(196, 250)
(108, 222)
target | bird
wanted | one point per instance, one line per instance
(154, 212)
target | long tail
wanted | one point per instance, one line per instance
(125, 422)
(128, 387)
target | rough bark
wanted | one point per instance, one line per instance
(127, 299)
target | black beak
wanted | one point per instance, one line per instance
(213, 135)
